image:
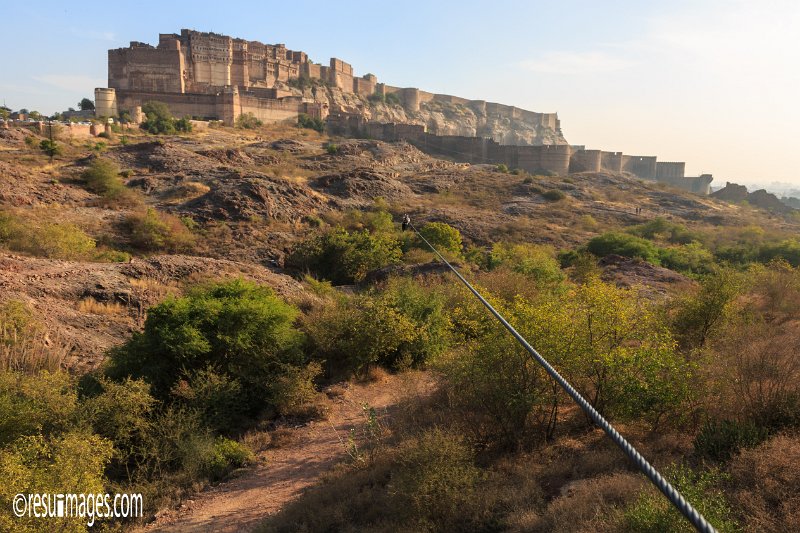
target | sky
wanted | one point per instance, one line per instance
(712, 83)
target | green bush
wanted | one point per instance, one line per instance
(72, 462)
(553, 195)
(46, 239)
(690, 258)
(351, 335)
(248, 121)
(610, 345)
(305, 121)
(153, 231)
(102, 177)
(653, 512)
(661, 228)
(698, 316)
(240, 329)
(226, 455)
(122, 413)
(533, 260)
(788, 250)
(332, 148)
(443, 237)
(393, 99)
(345, 257)
(625, 245)
(502, 168)
(406, 325)
(294, 394)
(159, 120)
(719, 440)
(33, 404)
(215, 396)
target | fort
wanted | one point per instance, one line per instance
(211, 76)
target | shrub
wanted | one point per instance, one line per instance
(69, 463)
(183, 125)
(46, 239)
(215, 396)
(719, 440)
(248, 121)
(33, 404)
(788, 250)
(661, 228)
(698, 315)
(434, 480)
(403, 326)
(122, 413)
(393, 99)
(305, 121)
(345, 257)
(604, 340)
(352, 335)
(690, 258)
(764, 482)
(240, 329)
(332, 148)
(502, 168)
(443, 237)
(159, 120)
(154, 231)
(102, 177)
(533, 260)
(59, 241)
(625, 245)
(553, 195)
(294, 394)
(653, 512)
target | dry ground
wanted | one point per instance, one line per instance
(282, 474)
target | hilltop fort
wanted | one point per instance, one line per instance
(212, 76)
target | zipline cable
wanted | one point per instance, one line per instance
(675, 497)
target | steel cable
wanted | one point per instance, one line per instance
(675, 497)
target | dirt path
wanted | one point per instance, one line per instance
(282, 474)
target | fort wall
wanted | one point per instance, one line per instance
(665, 170)
(585, 161)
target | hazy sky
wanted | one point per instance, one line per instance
(712, 83)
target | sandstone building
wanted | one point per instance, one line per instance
(212, 76)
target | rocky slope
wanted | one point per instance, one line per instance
(469, 120)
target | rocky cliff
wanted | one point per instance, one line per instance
(443, 118)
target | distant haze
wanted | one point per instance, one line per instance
(712, 83)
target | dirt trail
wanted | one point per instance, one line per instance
(282, 474)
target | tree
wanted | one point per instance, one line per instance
(159, 119)
(4, 112)
(86, 105)
(51, 148)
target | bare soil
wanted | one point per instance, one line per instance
(281, 475)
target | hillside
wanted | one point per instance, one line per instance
(229, 297)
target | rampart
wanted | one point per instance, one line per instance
(558, 159)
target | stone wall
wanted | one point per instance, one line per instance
(640, 165)
(670, 170)
(585, 161)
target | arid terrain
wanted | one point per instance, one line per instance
(414, 419)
